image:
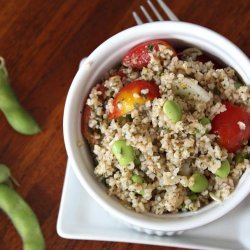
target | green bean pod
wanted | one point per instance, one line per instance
(22, 217)
(20, 213)
(18, 118)
(5, 174)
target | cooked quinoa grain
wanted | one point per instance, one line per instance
(166, 154)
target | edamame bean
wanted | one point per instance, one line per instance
(224, 169)
(137, 179)
(18, 118)
(172, 111)
(21, 215)
(204, 121)
(198, 183)
(124, 153)
(4, 173)
(21, 121)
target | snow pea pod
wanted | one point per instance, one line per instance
(18, 118)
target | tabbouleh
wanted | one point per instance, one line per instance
(167, 153)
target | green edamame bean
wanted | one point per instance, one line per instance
(21, 121)
(198, 183)
(124, 153)
(137, 179)
(18, 118)
(172, 110)
(22, 217)
(4, 173)
(20, 213)
(204, 121)
(224, 169)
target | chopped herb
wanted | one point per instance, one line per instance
(239, 158)
(137, 157)
(136, 105)
(141, 192)
(166, 129)
(151, 47)
(238, 84)
(197, 131)
(137, 161)
(216, 91)
(129, 117)
(193, 197)
(121, 119)
(183, 205)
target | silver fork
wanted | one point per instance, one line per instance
(159, 17)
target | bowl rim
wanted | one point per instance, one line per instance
(127, 216)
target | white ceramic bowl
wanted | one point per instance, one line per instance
(100, 61)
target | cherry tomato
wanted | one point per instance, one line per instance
(232, 126)
(138, 57)
(133, 94)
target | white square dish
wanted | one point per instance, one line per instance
(80, 217)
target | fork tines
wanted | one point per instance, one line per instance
(159, 17)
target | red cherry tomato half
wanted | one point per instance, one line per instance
(139, 57)
(232, 126)
(133, 94)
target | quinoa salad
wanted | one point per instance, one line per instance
(169, 129)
